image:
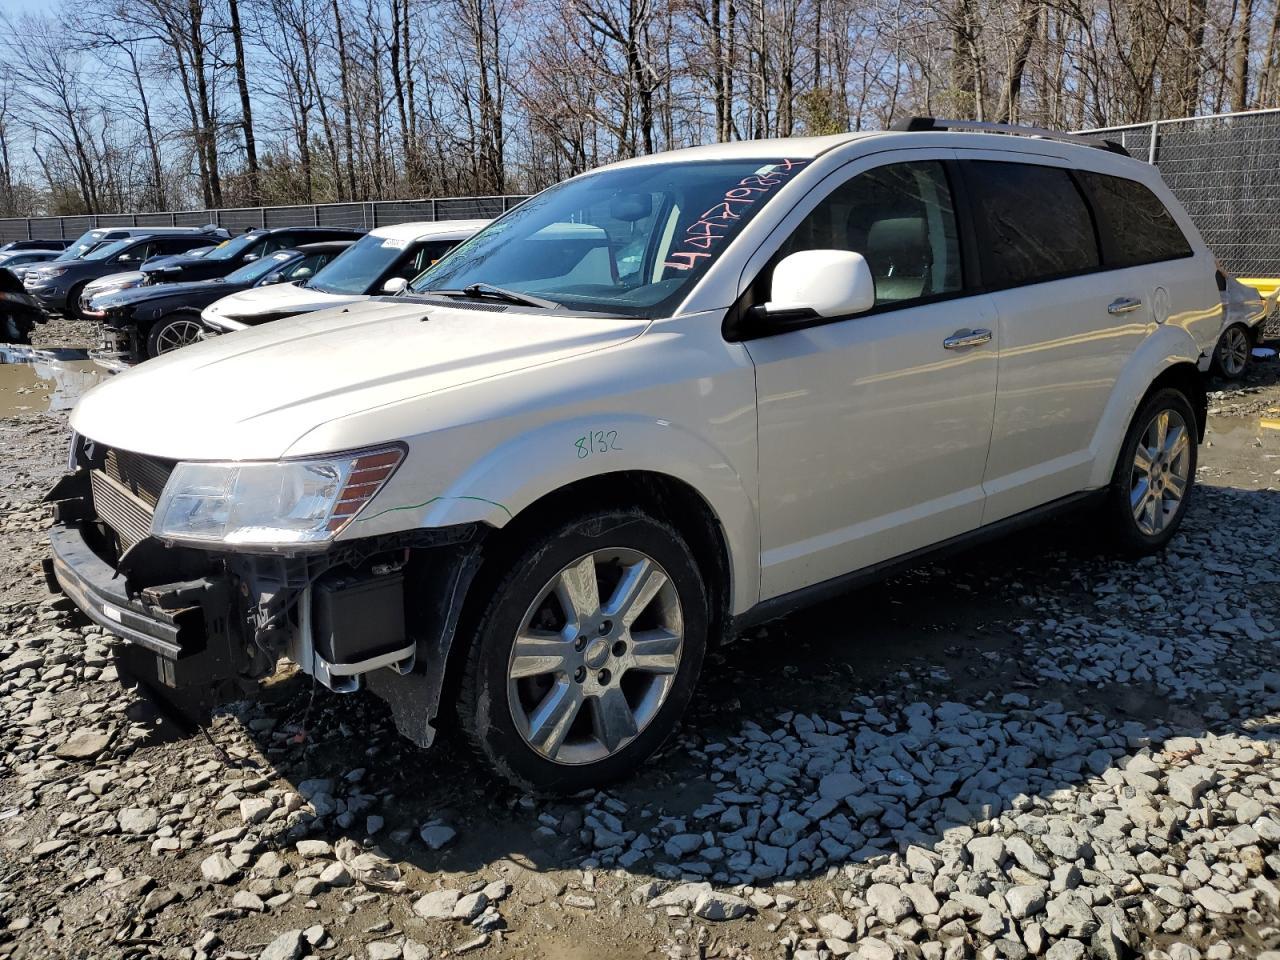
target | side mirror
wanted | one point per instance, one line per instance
(394, 285)
(249, 257)
(825, 283)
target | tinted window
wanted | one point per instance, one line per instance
(255, 270)
(1034, 220)
(1136, 227)
(425, 256)
(175, 245)
(233, 247)
(901, 219)
(305, 268)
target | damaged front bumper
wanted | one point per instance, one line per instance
(203, 626)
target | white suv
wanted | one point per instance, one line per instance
(657, 403)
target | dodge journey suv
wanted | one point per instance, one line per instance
(655, 404)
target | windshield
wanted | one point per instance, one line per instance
(255, 270)
(632, 240)
(85, 243)
(359, 266)
(233, 247)
(108, 249)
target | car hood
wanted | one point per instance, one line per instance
(135, 295)
(256, 393)
(279, 298)
(156, 264)
(131, 276)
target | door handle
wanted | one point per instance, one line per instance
(966, 338)
(1123, 305)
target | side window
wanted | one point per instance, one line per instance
(1136, 226)
(135, 254)
(900, 217)
(423, 256)
(277, 241)
(1034, 221)
(306, 267)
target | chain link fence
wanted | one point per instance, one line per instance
(366, 216)
(1226, 171)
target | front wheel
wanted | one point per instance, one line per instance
(172, 333)
(586, 654)
(1231, 356)
(1154, 475)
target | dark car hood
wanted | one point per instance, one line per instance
(178, 269)
(198, 291)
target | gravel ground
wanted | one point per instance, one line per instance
(1030, 750)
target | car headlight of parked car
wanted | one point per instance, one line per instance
(277, 504)
(48, 273)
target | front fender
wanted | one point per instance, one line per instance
(1167, 347)
(509, 478)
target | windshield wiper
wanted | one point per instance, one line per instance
(481, 291)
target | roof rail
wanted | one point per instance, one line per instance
(981, 126)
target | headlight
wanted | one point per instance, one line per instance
(46, 272)
(278, 504)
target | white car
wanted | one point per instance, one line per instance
(1244, 315)
(655, 404)
(382, 261)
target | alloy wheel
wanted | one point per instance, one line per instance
(595, 657)
(1161, 472)
(176, 334)
(1233, 352)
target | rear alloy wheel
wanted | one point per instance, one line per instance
(1231, 356)
(173, 333)
(587, 653)
(1155, 474)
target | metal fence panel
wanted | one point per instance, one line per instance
(1225, 172)
(300, 216)
(352, 215)
(363, 216)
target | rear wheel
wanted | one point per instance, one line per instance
(586, 654)
(1154, 476)
(1231, 356)
(172, 333)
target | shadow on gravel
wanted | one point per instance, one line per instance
(894, 716)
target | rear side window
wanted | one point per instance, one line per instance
(1034, 221)
(1136, 227)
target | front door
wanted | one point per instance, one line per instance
(874, 429)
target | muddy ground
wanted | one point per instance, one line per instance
(1030, 749)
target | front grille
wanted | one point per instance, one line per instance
(120, 510)
(142, 476)
(126, 487)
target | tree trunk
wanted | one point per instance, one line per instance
(208, 132)
(1240, 62)
(246, 106)
(1009, 95)
(348, 108)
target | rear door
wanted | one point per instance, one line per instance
(1066, 327)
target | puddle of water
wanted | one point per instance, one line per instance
(1255, 436)
(44, 381)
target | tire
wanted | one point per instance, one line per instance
(73, 303)
(1232, 353)
(1142, 524)
(172, 332)
(551, 720)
